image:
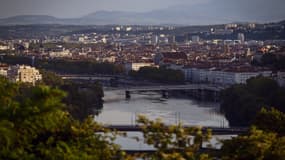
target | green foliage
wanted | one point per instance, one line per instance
(265, 141)
(49, 46)
(258, 145)
(80, 67)
(35, 125)
(82, 100)
(274, 61)
(173, 142)
(241, 103)
(51, 79)
(270, 121)
(158, 74)
(67, 66)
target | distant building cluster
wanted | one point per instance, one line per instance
(201, 54)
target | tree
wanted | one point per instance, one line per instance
(158, 74)
(173, 142)
(241, 103)
(35, 125)
(264, 141)
(269, 59)
(257, 145)
(271, 120)
(51, 79)
(82, 100)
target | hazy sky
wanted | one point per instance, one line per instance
(77, 8)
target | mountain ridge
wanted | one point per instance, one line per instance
(175, 15)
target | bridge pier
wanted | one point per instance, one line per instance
(165, 94)
(198, 91)
(216, 96)
(202, 94)
(128, 94)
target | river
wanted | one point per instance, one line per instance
(118, 110)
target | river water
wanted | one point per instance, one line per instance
(117, 110)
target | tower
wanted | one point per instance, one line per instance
(241, 37)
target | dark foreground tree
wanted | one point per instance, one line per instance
(241, 103)
(257, 145)
(173, 142)
(265, 140)
(271, 120)
(35, 125)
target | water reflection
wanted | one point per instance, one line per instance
(118, 110)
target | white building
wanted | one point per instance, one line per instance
(60, 53)
(3, 72)
(195, 39)
(136, 66)
(110, 59)
(241, 37)
(154, 40)
(4, 47)
(26, 45)
(219, 76)
(81, 39)
(22, 73)
(242, 77)
(231, 26)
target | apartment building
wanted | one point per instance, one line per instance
(223, 76)
(22, 73)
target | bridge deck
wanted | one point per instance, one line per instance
(173, 87)
(215, 130)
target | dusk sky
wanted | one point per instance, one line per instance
(77, 8)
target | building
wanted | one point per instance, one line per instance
(136, 66)
(26, 45)
(110, 59)
(154, 40)
(3, 69)
(22, 73)
(241, 37)
(222, 76)
(4, 47)
(171, 39)
(81, 39)
(195, 39)
(3, 72)
(231, 26)
(170, 57)
(61, 52)
(251, 25)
